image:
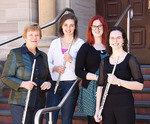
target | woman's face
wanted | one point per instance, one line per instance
(32, 39)
(68, 27)
(116, 40)
(97, 28)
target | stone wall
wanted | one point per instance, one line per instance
(15, 14)
(84, 10)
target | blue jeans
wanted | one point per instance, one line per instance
(68, 108)
(17, 113)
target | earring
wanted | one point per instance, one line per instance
(123, 44)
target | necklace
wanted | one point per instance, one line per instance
(122, 56)
(67, 45)
(64, 44)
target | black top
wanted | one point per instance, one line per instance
(88, 60)
(37, 96)
(128, 69)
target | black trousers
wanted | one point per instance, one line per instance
(91, 120)
(17, 113)
(119, 109)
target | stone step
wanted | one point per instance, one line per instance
(146, 77)
(142, 95)
(139, 118)
(146, 81)
(143, 118)
(142, 107)
(138, 96)
(138, 105)
(79, 117)
(144, 91)
(146, 84)
(5, 113)
(6, 91)
(3, 100)
(145, 104)
(3, 104)
(5, 120)
(145, 69)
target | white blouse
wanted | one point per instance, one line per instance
(56, 58)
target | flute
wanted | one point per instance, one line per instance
(64, 63)
(28, 95)
(106, 91)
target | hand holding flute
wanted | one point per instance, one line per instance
(61, 69)
(28, 85)
(111, 78)
(28, 94)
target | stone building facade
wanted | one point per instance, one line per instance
(15, 14)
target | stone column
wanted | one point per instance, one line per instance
(47, 13)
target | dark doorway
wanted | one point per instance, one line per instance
(140, 24)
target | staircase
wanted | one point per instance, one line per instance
(142, 98)
(5, 117)
(142, 101)
(142, 104)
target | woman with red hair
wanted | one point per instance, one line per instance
(87, 65)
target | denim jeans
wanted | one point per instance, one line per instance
(17, 113)
(69, 106)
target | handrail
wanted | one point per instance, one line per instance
(123, 14)
(42, 27)
(58, 107)
(128, 10)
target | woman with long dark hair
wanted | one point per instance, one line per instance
(57, 54)
(119, 104)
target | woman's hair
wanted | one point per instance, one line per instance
(124, 36)
(63, 19)
(89, 35)
(32, 27)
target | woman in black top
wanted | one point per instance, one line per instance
(87, 64)
(119, 104)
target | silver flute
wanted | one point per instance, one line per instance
(28, 95)
(64, 63)
(106, 91)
